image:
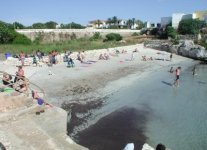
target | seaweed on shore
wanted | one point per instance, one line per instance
(79, 112)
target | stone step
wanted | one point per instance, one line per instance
(45, 131)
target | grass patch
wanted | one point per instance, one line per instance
(73, 45)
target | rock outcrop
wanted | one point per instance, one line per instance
(185, 48)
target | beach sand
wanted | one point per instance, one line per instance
(84, 89)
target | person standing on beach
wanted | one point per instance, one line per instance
(171, 55)
(177, 75)
(22, 57)
(194, 70)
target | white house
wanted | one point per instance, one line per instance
(150, 25)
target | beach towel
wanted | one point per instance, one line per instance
(8, 90)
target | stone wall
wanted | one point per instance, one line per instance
(51, 35)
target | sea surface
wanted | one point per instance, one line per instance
(151, 110)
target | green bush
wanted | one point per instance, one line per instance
(171, 32)
(190, 26)
(22, 39)
(113, 37)
(135, 34)
(7, 34)
(96, 36)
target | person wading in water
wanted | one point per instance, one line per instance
(177, 75)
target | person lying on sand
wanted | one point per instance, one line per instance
(7, 80)
(123, 51)
(135, 50)
(144, 58)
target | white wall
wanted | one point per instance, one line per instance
(177, 17)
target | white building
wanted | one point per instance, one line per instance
(177, 17)
(150, 25)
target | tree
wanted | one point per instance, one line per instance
(7, 35)
(115, 20)
(71, 25)
(38, 26)
(109, 21)
(18, 25)
(171, 32)
(140, 24)
(51, 25)
(98, 22)
(190, 26)
(129, 23)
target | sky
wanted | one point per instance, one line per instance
(28, 12)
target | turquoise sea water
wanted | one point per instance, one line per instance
(174, 116)
(179, 115)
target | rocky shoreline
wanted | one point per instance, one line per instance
(186, 48)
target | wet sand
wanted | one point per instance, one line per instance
(115, 130)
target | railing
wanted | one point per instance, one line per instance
(24, 81)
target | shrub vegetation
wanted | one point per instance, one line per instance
(113, 37)
(190, 26)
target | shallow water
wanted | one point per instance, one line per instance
(175, 116)
(179, 114)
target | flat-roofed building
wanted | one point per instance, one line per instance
(202, 15)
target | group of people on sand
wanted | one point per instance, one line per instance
(145, 58)
(104, 56)
(19, 84)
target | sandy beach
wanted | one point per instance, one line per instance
(83, 90)
(85, 80)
